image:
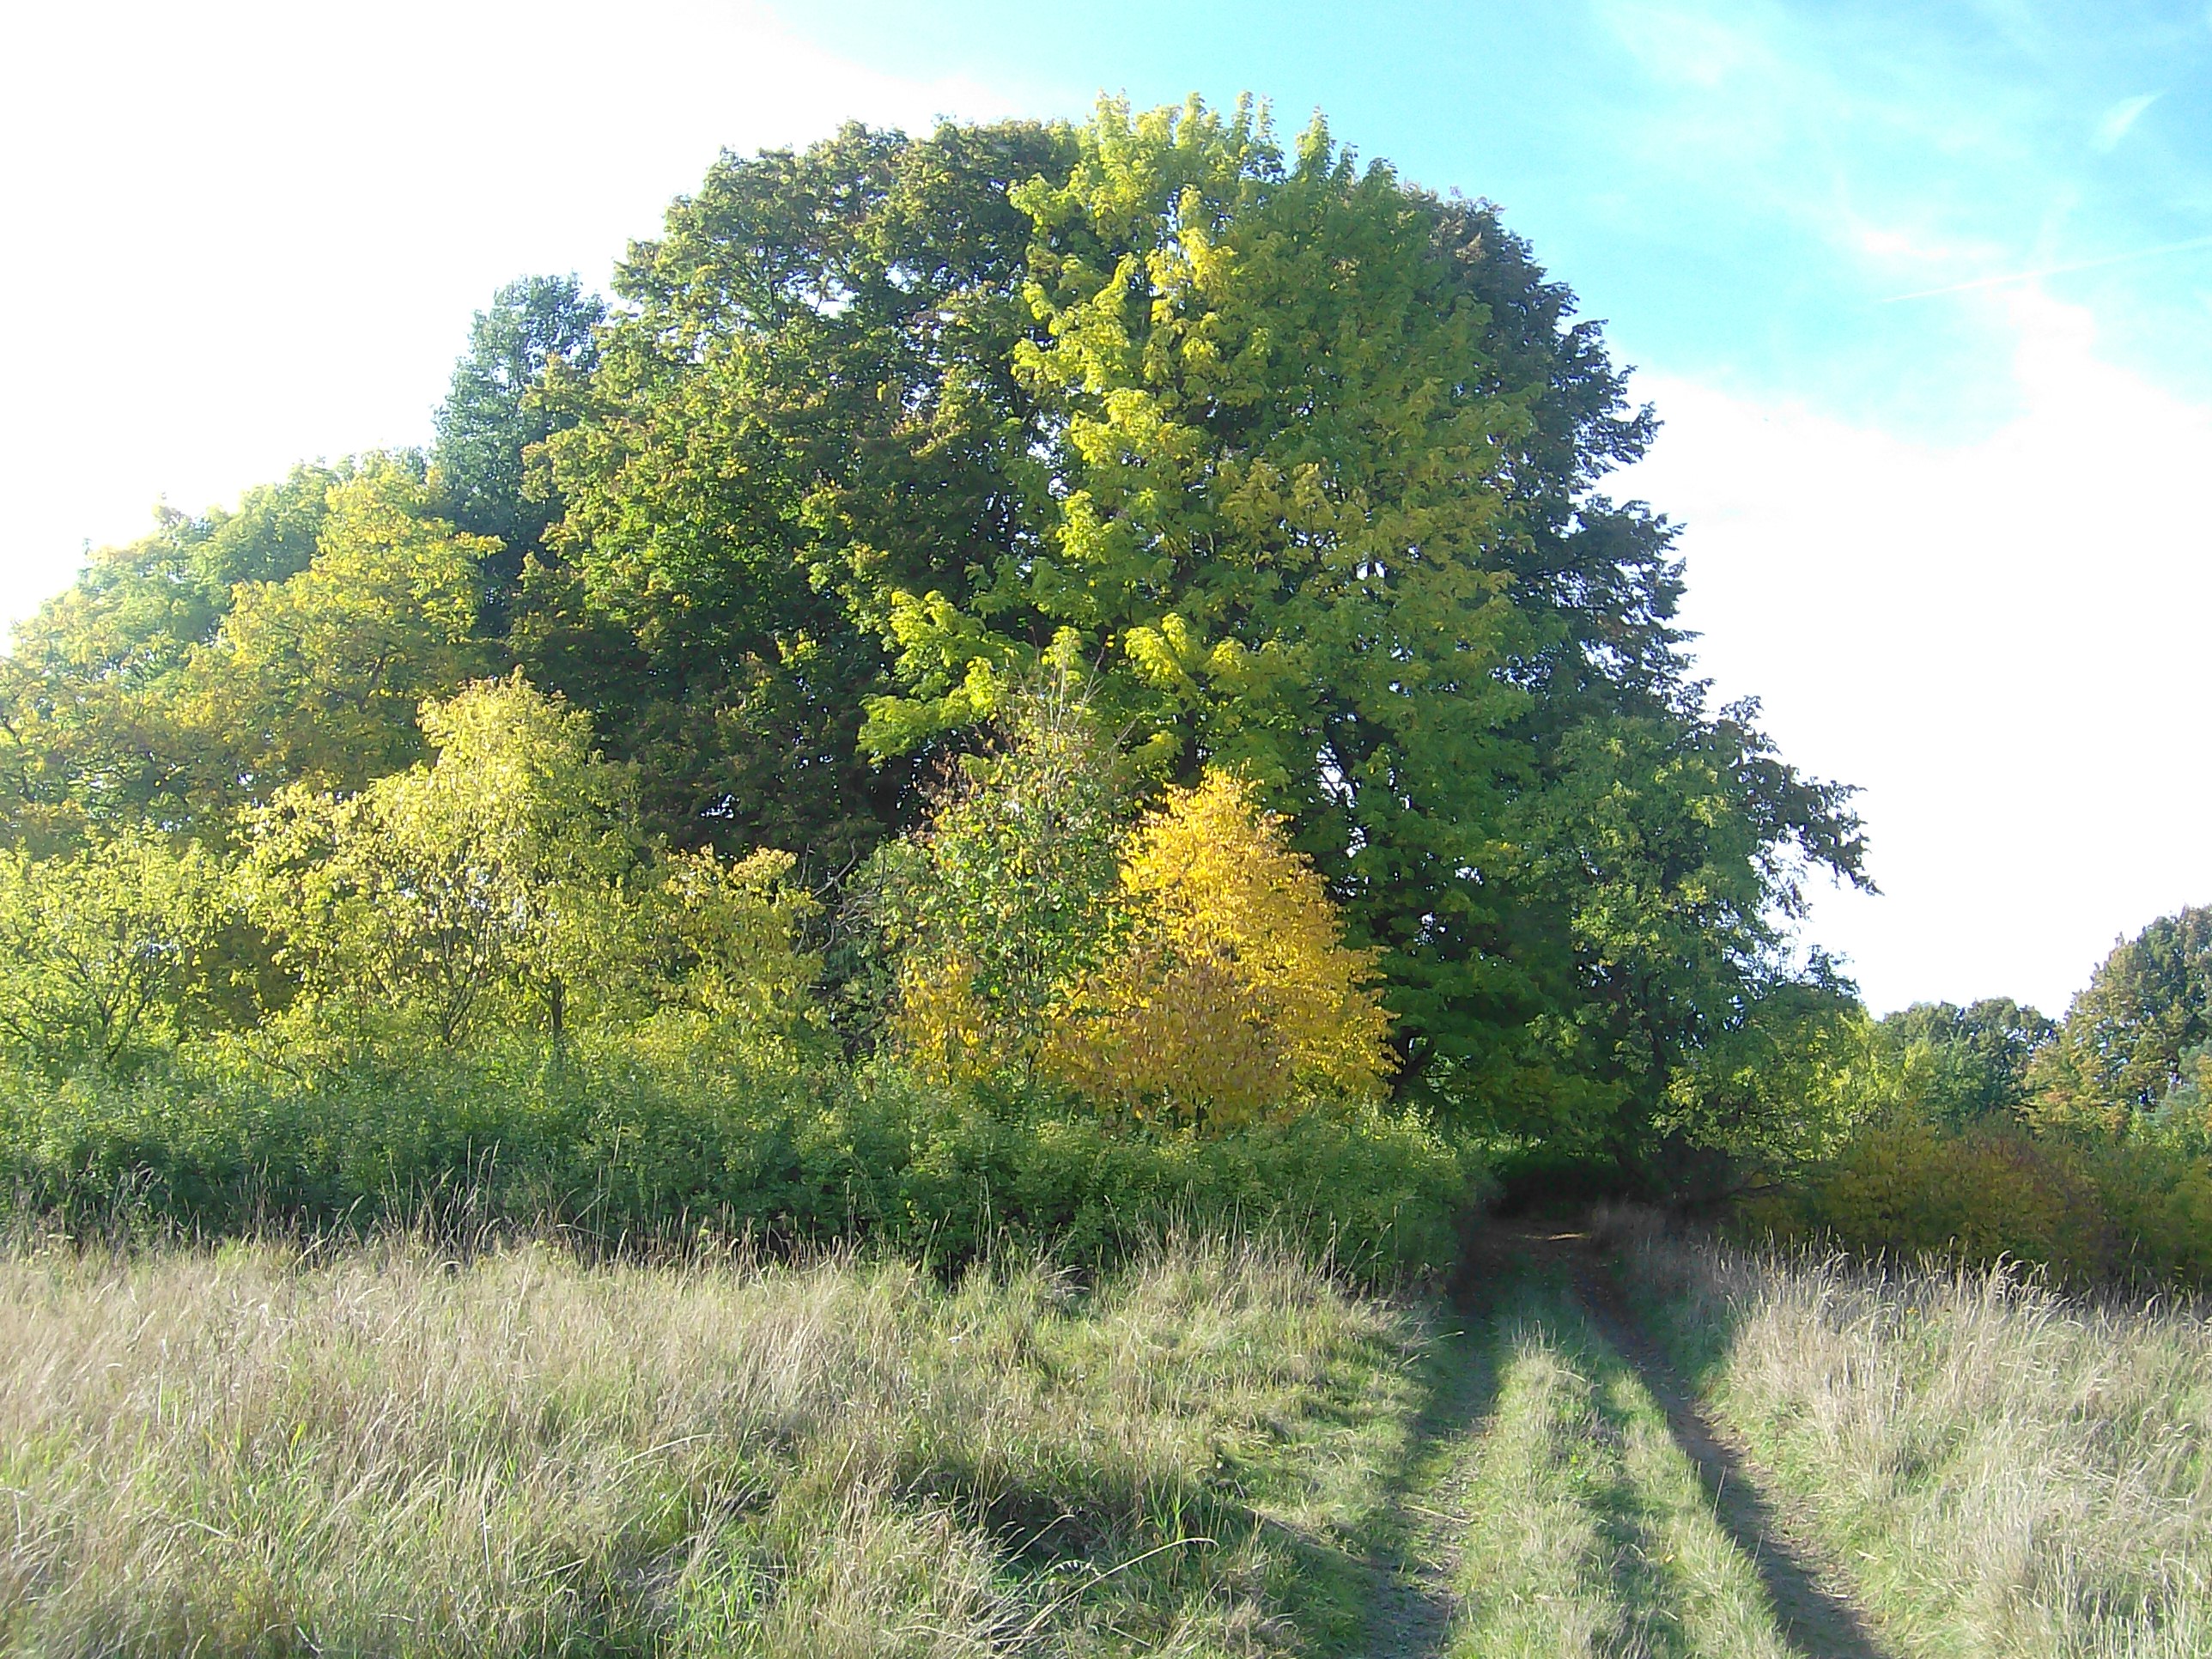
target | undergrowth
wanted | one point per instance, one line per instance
(618, 1143)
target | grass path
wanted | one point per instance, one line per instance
(1815, 1612)
(1216, 1450)
(1567, 1497)
(1414, 1557)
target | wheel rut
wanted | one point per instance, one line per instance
(1817, 1616)
(1416, 1597)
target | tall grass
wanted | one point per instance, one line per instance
(250, 1451)
(2007, 1470)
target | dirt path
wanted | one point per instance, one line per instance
(1416, 1563)
(1814, 1610)
(1418, 1544)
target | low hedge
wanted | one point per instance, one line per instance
(613, 1146)
(2123, 1210)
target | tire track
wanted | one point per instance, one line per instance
(1416, 1596)
(1816, 1614)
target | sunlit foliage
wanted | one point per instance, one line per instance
(1185, 963)
(2119, 1050)
(1005, 897)
(497, 872)
(104, 951)
(316, 679)
(1230, 992)
(1291, 469)
(1300, 463)
(725, 939)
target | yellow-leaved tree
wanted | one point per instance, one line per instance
(1188, 966)
(1232, 993)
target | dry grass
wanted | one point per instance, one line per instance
(244, 1452)
(2007, 1471)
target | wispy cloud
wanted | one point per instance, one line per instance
(2112, 125)
(1973, 283)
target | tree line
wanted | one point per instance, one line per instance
(746, 584)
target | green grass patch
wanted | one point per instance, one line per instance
(1588, 1532)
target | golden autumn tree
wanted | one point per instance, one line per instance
(1186, 967)
(1232, 993)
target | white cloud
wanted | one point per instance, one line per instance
(1687, 46)
(2112, 125)
(241, 234)
(2002, 641)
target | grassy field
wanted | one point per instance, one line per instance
(2008, 1471)
(1636, 1448)
(243, 1452)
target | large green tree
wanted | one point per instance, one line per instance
(2120, 1046)
(495, 414)
(809, 405)
(1299, 462)
(1298, 469)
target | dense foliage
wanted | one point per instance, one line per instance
(676, 696)
(1992, 1133)
(1300, 464)
(2135, 1038)
(1187, 966)
(625, 1140)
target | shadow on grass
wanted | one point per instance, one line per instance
(1412, 1537)
(1816, 1621)
(1372, 1578)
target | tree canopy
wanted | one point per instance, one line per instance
(2121, 1047)
(1297, 468)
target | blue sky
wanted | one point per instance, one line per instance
(1921, 293)
(1738, 189)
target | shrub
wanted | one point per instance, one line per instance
(1911, 1187)
(1231, 992)
(483, 886)
(2088, 1210)
(618, 1140)
(1004, 897)
(1188, 966)
(2156, 1197)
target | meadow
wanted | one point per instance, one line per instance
(1618, 1443)
(2006, 1469)
(391, 1450)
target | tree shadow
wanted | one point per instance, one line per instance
(1816, 1621)
(1411, 1536)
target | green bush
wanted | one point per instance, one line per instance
(2156, 1198)
(2090, 1210)
(618, 1144)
